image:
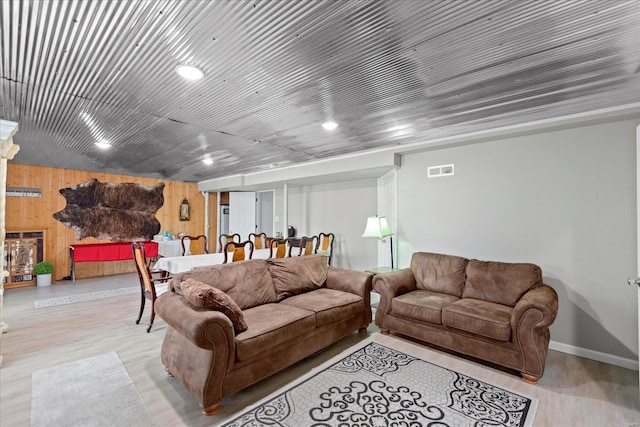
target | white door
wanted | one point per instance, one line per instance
(387, 196)
(638, 227)
(242, 213)
(265, 208)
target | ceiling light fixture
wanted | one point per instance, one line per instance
(208, 161)
(189, 72)
(330, 125)
(103, 144)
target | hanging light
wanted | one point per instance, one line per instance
(189, 72)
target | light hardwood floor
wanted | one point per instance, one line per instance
(573, 392)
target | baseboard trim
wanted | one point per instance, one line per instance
(594, 355)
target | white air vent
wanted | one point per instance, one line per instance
(442, 170)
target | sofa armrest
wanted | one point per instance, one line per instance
(530, 321)
(544, 299)
(207, 329)
(355, 282)
(390, 285)
(394, 283)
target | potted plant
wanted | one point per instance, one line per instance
(43, 272)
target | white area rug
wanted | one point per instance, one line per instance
(96, 391)
(72, 299)
(375, 385)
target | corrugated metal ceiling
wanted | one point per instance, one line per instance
(388, 72)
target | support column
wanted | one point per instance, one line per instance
(7, 151)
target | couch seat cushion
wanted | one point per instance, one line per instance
(478, 317)
(439, 273)
(295, 275)
(422, 305)
(500, 282)
(330, 306)
(270, 325)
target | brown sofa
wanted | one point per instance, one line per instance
(291, 308)
(495, 311)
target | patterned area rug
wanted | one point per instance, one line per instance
(96, 391)
(72, 299)
(379, 386)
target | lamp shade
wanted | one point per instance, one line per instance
(377, 226)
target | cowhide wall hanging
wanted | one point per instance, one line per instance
(117, 212)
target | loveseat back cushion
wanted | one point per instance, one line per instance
(439, 273)
(500, 282)
(201, 295)
(296, 275)
(248, 283)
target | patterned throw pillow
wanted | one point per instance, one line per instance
(202, 295)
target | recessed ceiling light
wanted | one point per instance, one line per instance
(103, 144)
(330, 125)
(189, 72)
(208, 161)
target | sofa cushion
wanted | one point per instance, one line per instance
(439, 273)
(269, 326)
(202, 295)
(500, 282)
(295, 275)
(425, 306)
(329, 305)
(479, 317)
(248, 283)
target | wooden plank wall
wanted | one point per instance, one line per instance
(36, 213)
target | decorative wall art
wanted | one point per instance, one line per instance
(117, 212)
(184, 210)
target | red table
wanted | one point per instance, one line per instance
(112, 251)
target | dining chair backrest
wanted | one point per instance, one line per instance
(142, 267)
(306, 246)
(325, 244)
(197, 245)
(234, 251)
(226, 238)
(279, 248)
(259, 240)
(147, 281)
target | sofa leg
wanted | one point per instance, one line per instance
(384, 331)
(529, 379)
(211, 409)
(169, 373)
(362, 330)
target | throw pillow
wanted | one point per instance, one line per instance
(202, 295)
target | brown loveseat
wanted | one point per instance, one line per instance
(495, 311)
(290, 307)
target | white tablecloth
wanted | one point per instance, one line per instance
(171, 248)
(181, 264)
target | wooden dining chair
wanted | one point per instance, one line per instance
(259, 240)
(226, 238)
(197, 245)
(234, 251)
(147, 281)
(325, 245)
(279, 248)
(306, 246)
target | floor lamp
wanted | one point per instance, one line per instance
(378, 226)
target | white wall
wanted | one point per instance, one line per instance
(565, 200)
(340, 208)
